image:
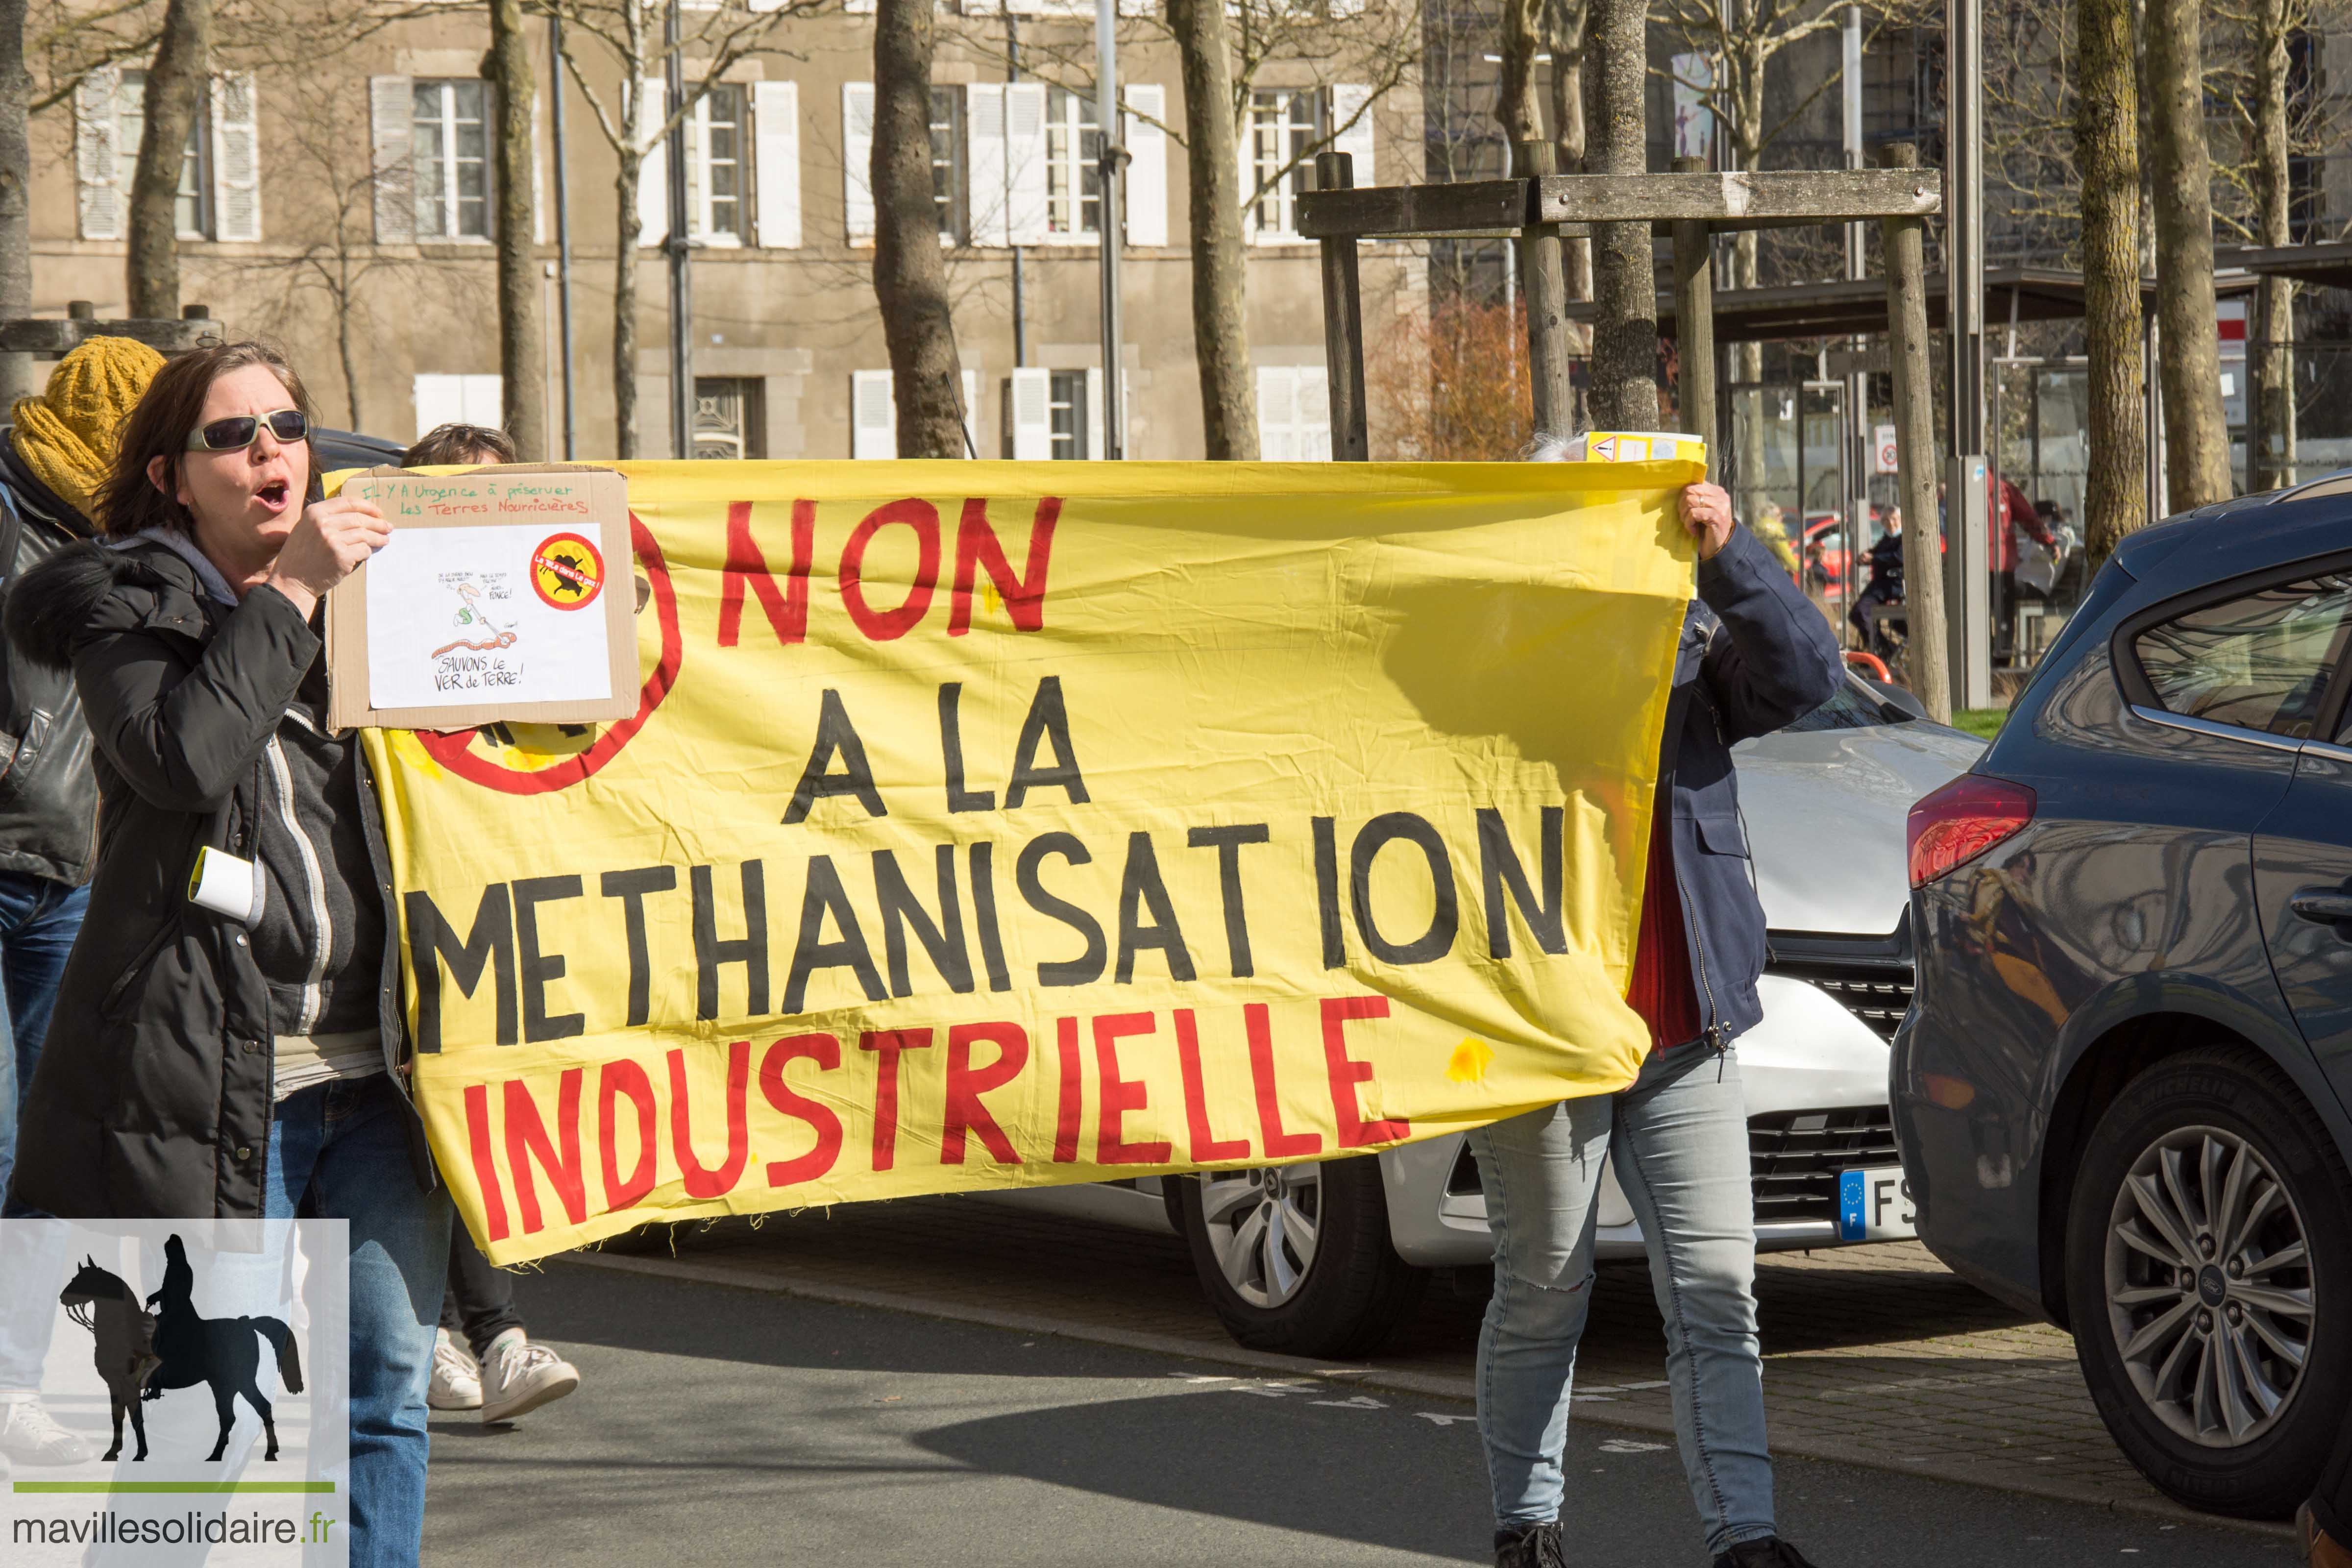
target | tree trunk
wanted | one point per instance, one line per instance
(1515, 109)
(522, 365)
(16, 166)
(1625, 331)
(1213, 178)
(1564, 25)
(2270, 425)
(346, 333)
(627, 171)
(1926, 651)
(910, 282)
(2106, 156)
(176, 85)
(2196, 439)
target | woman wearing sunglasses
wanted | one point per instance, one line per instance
(243, 1067)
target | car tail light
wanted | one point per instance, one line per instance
(1961, 821)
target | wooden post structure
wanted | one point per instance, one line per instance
(1694, 322)
(1926, 657)
(1543, 287)
(1343, 322)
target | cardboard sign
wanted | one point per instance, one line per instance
(504, 595)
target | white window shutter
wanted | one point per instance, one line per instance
(971, 412)
(1351, 102)
(653, 172)
(776, 161)
(1277, 412)
(1146, 170)
(857, 160)
(236, 158)
(987, 210)
(96, 137)
(858, 7)
(391, 129)
(872, 415)
(445, 399)
(1094, 413)
(1024, 154)
(1033, 415)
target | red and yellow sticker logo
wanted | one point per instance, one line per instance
(567, 571)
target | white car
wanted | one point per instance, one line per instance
(1324, 1260)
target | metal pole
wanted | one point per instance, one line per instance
(1020, 311)
(1114, 222)
(563, 226)
(1858, 444)
(681, 280)
(1971, 669)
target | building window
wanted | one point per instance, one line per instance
(948, 162)
(1066, 407)
(1282, 128)
(459, 400)
(715, 166)
(1073, 173)
(450, 149)
(730, 420)
(193, 214)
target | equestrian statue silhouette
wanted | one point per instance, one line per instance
(174, 1348)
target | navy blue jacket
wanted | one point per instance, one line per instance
(1755, 655)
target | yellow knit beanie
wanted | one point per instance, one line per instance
(69, 434)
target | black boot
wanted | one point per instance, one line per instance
(1770, 1552)
(1529, 1546)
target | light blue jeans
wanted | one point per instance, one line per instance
(1678, 1140)
(339, 1150)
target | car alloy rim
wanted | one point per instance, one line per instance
(2209, 1286)
(1263, 1226)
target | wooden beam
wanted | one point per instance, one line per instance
(1343, 322)
(1747, 200)
(1413, 209)
(1694, 325)
(53, 335)
(1925, 658)
(1544, 291)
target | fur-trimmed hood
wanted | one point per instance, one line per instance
(49, 606)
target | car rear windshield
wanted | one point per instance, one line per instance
(2261, 661)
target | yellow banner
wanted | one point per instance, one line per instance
(986, 825)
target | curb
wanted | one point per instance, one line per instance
(785, 1282)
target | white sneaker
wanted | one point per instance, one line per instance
(456, 1380)
(29, 1436)
(520, 1376)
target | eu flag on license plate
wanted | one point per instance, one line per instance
(1851, 1192)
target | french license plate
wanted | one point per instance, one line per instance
(1874, 1206)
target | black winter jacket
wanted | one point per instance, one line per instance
(48, 796)
(153, 1095)
(1755, 656)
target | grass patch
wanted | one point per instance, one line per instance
(1983, 722)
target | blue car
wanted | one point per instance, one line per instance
(2120, 1093)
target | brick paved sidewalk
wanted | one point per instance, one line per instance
(1875, 1356)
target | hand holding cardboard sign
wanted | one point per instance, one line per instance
(327, 546)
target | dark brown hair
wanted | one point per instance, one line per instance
(159, 427)
(452, 446)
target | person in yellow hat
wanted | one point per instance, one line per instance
(55, 453)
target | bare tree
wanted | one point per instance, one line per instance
(2106, 151)
(177, 84)
(629, 31)
(522, 384)
(16, 166)
(2270, 349)
(1625, 330)
(1213, 178)
(1564, 37)
(2196, 439)
(909, 280)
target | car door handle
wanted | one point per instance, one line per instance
(2327, 906)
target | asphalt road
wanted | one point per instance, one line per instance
(724, 1426)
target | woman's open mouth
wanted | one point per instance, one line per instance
(273, 494)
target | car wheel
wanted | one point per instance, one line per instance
(1297, 1259)
(2208, 1277)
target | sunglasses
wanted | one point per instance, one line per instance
(237, 432)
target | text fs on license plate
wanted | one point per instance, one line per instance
(1874, 1206)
